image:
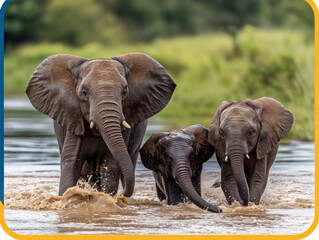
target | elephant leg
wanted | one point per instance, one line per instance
(160, 185)
(110, 173)
(70, 165)
(270, 160)
(196, 181)
(259, 179)
(228, 184)
(161, 196)
(90, 171)
(173, 191)
(60, 133)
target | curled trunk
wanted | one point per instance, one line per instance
(183, 179)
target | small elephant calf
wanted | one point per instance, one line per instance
(176, 159)
(246, 137)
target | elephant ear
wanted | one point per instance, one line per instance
(51, 90)
(213, 135)
(276, 121)
(150, 87)
(149, 151)
(203, 149)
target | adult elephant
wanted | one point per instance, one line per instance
(246, 137)
(176, 159)
(100, 109)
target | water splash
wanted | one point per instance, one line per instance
(82, 195)
(288, 201)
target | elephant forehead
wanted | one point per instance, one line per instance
(240, 112)
(103, 68)
(178, 136)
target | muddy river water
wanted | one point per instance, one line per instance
(32, 205)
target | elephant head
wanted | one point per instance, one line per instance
(179, 154)
(247, 131)
(101, 94)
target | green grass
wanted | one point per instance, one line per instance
(207, 69)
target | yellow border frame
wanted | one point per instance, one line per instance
(155, 237)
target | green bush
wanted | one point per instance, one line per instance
(208, 69)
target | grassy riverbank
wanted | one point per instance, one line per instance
(208, 69)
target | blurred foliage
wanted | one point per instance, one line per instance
(77, 24)
(116, 21)
(208, 69)
(22, 21)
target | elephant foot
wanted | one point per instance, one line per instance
(254, 200)
(161, 196)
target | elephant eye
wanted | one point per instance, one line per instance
(84, 93)
(250, 132)
(124, 92)
(221, 133)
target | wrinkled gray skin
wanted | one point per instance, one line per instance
(250, 128)
(78, 92)
(176, 159)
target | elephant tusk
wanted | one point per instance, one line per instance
(91, 125)
(247, 156)
(226, 158)
(125, 124)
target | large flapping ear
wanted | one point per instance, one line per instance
(276, 121)
(51, 90)
(150, 87)
(203, 149)
(213, 134)
(149, 151)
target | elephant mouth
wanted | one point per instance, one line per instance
(95, 132)
(92, 130)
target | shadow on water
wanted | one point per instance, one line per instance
(32, 176)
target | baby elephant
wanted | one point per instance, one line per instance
(246, 137)
(176, 159)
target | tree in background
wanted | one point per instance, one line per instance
(71, 22)
(23, 21)
(78, 23)
(221, 14)
(116, 21)
(148, 20)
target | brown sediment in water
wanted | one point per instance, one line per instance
(43, 197)
(82, 195)
(84, 210)
(240, 209)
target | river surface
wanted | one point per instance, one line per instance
(32, 204)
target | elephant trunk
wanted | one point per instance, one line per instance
(108, 119)
(237, 165)
(183, 178)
